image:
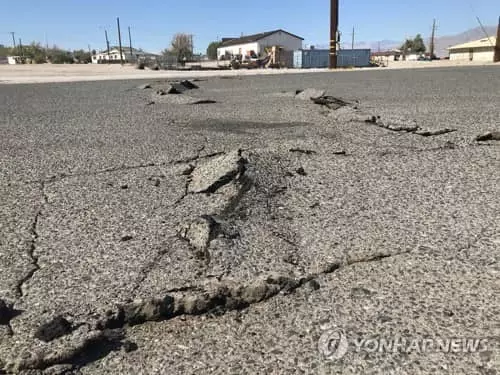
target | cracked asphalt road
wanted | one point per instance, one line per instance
(142, 233)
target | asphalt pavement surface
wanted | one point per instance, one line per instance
(238, 227)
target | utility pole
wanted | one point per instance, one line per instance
(120, 39)
(192, 46)
(352, 49)
(107, 42)
(496, 58)
(130, 40)
(334, 26)
(13, 33)
(352, 46)
(433, 37)
(21, 47)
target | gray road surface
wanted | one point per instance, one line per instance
(258, 234)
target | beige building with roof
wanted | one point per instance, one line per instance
(255, 45)
(478, 50)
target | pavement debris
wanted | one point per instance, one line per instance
(309, 94)
(330, 102)
(204, 101)
(431, 133)
(490, 136)
(217, 172)
(301, 151)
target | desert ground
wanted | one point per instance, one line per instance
(53, 73)
(241, 228)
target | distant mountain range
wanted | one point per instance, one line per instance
(442, 42)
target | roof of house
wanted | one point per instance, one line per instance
(254, 38)
(485, 42)
(125, 50)
(387, 53)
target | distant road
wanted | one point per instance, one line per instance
(11, 74)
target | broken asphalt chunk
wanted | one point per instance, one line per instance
(431, 133)
(200, 233)
(301, 151)
(217, 172)
(145, 86)
(330, 102)
(399, 124)
(308, 94)
(188, 170)
(490, 136)
(189, 85)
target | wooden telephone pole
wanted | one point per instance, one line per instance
(107, 43)
(13, 33)
(334, 26)
(130, 40)
(433, 38)
(497, 46)
(120, 40)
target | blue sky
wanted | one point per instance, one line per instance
(76, 23)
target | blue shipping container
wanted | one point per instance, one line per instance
(320, 58)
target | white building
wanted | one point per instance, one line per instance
(255, 45)
(13, 60)
(114, 55)
(478, 50)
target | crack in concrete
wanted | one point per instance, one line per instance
(63, 176)
(109, 332)
(32, 246)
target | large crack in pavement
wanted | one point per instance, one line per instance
(108, 333)
(227, 177)
(223, 176)
(32, 246)
(124, 168)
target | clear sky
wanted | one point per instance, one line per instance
(75, 24)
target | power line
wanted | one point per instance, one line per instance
(485, 32)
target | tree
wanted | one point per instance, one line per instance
(418, 44)
(415, 45)
(182, 46)
(57, 55)
(82, 56)
(33, 53)
(212, 50)
(407, 46)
